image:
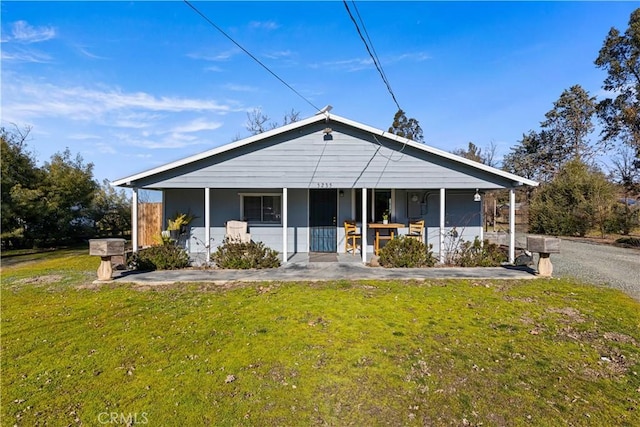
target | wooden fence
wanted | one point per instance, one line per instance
(149, 223)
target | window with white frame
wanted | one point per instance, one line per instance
(261, 208)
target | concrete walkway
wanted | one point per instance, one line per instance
(299, 268)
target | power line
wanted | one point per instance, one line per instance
(249, 53)
(373, 57)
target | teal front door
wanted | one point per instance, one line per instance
(323, 212)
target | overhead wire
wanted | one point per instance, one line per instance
(373, 57)
(195, 9)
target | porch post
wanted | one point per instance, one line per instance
(134, 219)
(442, 213)
(285, 220)
(482, 221)
(512, 225)
(207, 222)
(363, 228)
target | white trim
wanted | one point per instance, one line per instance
(130, 180)
(207, 222)
(363, 227)
(443, 196)
(392, 207)
(285, 221)
(512, 225)
(482, 221)
(134, 219)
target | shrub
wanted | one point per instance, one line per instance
(167, 256)
(238, 255)
(477, 254)
(406, 252)
(628, 242)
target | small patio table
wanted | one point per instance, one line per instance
(392, 230)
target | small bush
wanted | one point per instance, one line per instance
(167, 256)
(405, 252)
(628, 242)
(477, 254)
(238, 255)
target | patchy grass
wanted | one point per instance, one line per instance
(536, 352)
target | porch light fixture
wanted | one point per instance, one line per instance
(341, 192)
(477, 197)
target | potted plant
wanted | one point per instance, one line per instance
(178, 224)
(385, 217)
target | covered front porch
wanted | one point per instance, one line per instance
(307, 221)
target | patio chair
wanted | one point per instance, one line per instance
(416, 229)
(237, 232)
(351, 237)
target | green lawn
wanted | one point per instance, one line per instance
(535, 352)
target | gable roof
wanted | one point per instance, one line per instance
(130, 181)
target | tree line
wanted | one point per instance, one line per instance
(576, 195)
(58, 203)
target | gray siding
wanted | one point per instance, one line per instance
(461, 212)
(306, 159)
(225, 206)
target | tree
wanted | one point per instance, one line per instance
(405, 127)
(19, 171)
(620, 57)
(577, 199)
(563, 137)
(258, 122)
(534, 157)
(69, 189)
(570, 122)
(626, 174)
(110, 211)
(475, 153)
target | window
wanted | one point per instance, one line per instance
(261, 208)
(376, 205)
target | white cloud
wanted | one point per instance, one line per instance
(214, 57)
(22, 32)
(239, 88)
(264, 25)
(280, 54)
(355, 64)
(85, 52)
(196, 125)
(25, 55)
(33, 99)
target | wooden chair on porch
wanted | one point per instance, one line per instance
(351, 237)
(416, 229)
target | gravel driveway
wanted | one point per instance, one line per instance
(599, 265)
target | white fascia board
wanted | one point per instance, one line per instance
(221, 149)
(518, 180)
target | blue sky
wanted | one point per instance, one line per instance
(133, 85)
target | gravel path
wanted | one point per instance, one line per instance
(599, 265)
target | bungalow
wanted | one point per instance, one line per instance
(296, 186)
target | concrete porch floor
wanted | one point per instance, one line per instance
(304, 267)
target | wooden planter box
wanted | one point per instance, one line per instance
(105, 249)
(543, 245)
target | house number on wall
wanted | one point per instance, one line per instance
(325, 185)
